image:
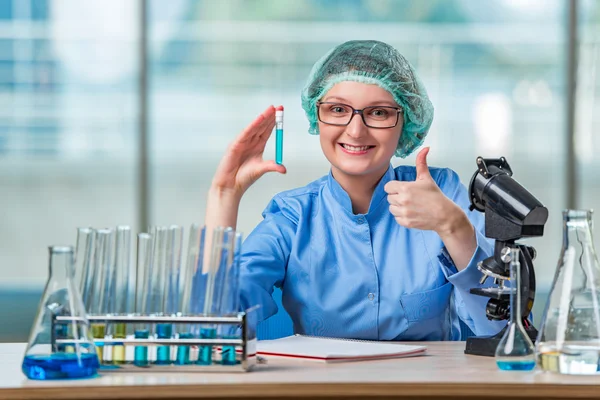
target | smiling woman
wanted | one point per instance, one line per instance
(368, 251)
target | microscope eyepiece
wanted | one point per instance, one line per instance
(511, 212)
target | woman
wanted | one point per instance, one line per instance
(368, 251)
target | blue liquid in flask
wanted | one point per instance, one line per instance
(523, 365)
(60, 366)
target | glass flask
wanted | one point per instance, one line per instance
(60, 349)
(569, 338)
(515, 352)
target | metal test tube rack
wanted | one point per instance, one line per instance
(246, 342)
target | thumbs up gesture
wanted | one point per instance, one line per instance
(421, 204)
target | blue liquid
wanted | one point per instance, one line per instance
(183, 352)
(228, 356)
(524, 365)
(141, 352)
(279, 146)
(205, 356)
(60, 366)
(163, 353)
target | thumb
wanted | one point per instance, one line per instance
(421, 164)
(271, 166)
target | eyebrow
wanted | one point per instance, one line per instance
(377, 103)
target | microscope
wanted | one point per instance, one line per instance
(511, 213)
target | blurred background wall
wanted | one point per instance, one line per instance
(95, 95)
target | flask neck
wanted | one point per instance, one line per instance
(577, 228)
(61, 263)
(515, 294)
(578, 239)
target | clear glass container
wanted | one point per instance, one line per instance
(569, 337)
(60, 349)
(515, 352)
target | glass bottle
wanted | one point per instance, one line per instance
(60, 349)
(569, 338)
(515, 352)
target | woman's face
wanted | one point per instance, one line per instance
(355, 149)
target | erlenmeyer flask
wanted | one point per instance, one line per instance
(569, 336)
(515, 351)
(54, 352)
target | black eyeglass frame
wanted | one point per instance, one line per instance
(360, 112)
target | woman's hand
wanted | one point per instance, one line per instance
(239, 168)
(243, 163)
(422, 205)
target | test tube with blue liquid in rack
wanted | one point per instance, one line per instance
(230, 303)
(156, 294)
(214, 289)
(188, 277)
(171, 290)
(144, 264)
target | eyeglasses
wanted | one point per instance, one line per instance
(380, 117)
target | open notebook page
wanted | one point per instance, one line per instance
(335, 350)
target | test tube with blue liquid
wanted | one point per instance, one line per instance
(191, 267)
(211, 302)
(171, 290)
(515, 352)
(279, 135)
(230, 303)
(144, 265)
(156, 293)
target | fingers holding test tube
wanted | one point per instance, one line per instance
(243, 162)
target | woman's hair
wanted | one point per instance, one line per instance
(373, 62)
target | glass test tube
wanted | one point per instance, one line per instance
(121, 298)
(144, 265)
(279, 135)
(171, 289)
(187, 278)
(157, 291)
(83, 260)
(230, 297)
(210, 305)
(100, 285)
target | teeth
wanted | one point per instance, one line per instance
(355, 148)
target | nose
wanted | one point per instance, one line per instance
(356, 128)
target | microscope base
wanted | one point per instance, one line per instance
(486, 345)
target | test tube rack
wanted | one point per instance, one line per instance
(244, 345)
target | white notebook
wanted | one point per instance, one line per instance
(335, 350)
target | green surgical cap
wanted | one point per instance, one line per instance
(377, 63)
